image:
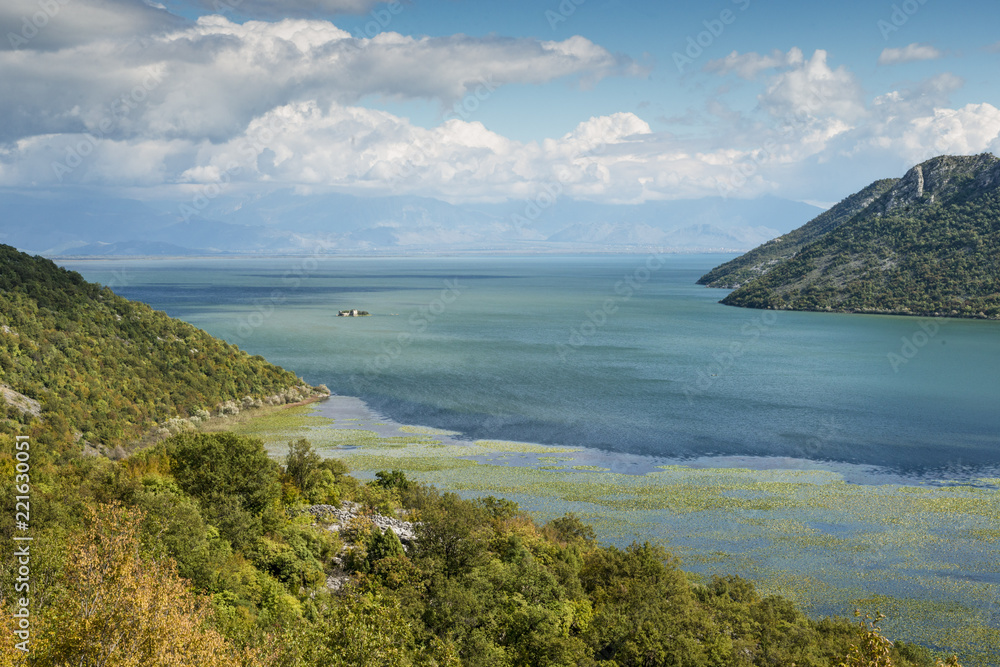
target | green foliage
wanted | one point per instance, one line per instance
(569, 528)
(232, 477)
(392, 480)
(450, 535)
(302, 465)
(105, 369)
(213, 465)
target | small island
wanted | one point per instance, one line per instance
(352, 313)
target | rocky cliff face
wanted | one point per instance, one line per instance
(940, 178)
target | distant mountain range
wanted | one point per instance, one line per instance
(924, 244)
(82, 223)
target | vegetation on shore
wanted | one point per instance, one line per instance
(193, 552)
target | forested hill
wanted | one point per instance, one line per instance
(761, 259)
(929, 244)
(78, 362)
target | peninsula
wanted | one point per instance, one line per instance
(926, 244)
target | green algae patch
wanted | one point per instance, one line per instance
(272, 425)
(425, 430)
(522, 447)
(592, 468)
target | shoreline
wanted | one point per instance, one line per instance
(922, 554)
(354, 410)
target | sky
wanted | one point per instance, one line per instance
(610, 101)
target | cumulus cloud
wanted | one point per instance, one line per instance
(613, 158)
(908, 54)
(919, 100)
(749, 65)
(214, 76)
(155, 102)
(348, 147)
(812, 88)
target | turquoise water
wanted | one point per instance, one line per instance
(620, 353)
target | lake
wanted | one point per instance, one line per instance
(624, 354)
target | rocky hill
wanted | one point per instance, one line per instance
(925, 244)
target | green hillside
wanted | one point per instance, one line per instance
(105, 370)
(929, 245)
(763, 258)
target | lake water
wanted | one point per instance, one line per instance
(624, 354)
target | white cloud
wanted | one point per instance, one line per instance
(263, 104)
(749, 65)
(908, 54)
(812, 88)
(971, 129)
(214, 76)
(614, 158)
(920, 100)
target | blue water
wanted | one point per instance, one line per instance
(620, 353)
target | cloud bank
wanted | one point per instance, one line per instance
(123, 95)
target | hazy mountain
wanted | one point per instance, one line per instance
(73, 223)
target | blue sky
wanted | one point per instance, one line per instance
(804, 100)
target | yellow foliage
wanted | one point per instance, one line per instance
(119, 609)
(874, 649)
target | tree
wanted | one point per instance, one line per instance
(302, 464)
(120, 609)
(448, 535)
(219, 465)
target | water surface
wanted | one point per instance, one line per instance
(619, 353)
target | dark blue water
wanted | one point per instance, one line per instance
(621, 353)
